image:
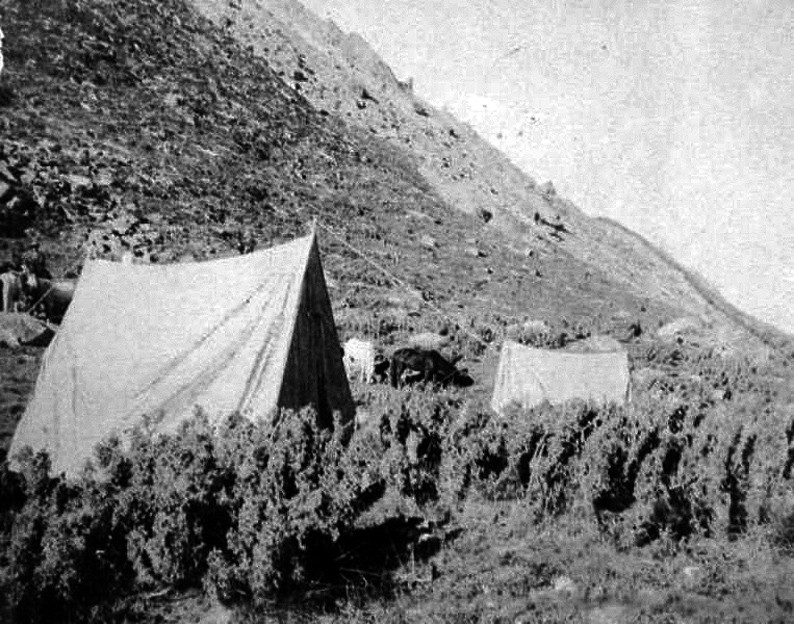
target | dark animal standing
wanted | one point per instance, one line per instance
(431, 366)
(54, 296)
(382, 365)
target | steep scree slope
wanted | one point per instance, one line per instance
(340, 73)
(145, 128)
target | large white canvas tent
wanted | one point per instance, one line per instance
(527, 377)
(248, 334)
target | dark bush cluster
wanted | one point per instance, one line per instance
(251, 511)
(651, 468)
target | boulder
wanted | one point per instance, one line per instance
(600, 343)
(527, 329)
(428, 242)
(535, 326)
(678, 326)
(548, 190)
(22, 329)
(428, 341)
(565, 585)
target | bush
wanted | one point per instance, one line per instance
(257, 512)
(295, 490)
(66, 551)
(249, 510)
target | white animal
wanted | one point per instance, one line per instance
(11, 286)
(359, 359)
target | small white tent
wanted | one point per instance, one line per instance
(248, 334)
(528, 377)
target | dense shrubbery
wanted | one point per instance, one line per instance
(697, 460)
(251, 510)
(257, 512)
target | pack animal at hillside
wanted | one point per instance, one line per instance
(53, 295)
(12, 287)
(430, 366)
(359, 359)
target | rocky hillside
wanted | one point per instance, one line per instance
(122, 136)
(340, 73)
(148, 127)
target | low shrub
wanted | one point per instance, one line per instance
(653, 467)
(251, 511)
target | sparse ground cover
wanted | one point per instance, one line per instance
(141, 127)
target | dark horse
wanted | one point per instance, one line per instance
(430, 365)
(54, 296)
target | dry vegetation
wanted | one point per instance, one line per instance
(141, 126)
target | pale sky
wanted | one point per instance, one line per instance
(675, 118)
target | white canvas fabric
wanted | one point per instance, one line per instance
(247, 334)
(528, 377)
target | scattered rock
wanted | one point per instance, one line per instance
(564, 584)
(600, 343)
(721, 394)
(123, 224)
(18, 210)
(634, 331)
(23, 329)
(527, 329)
(366, 95)
(103, 178)
(536, 326)
(394, 301)
(692, 577)
(417, 215)
(120, 234)
(691, 572)
(407, 85)
(608, 614)
(428, 340)
(218, 614)
(77, 181)
(5, 174)
(428, 242)
(678, 326)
